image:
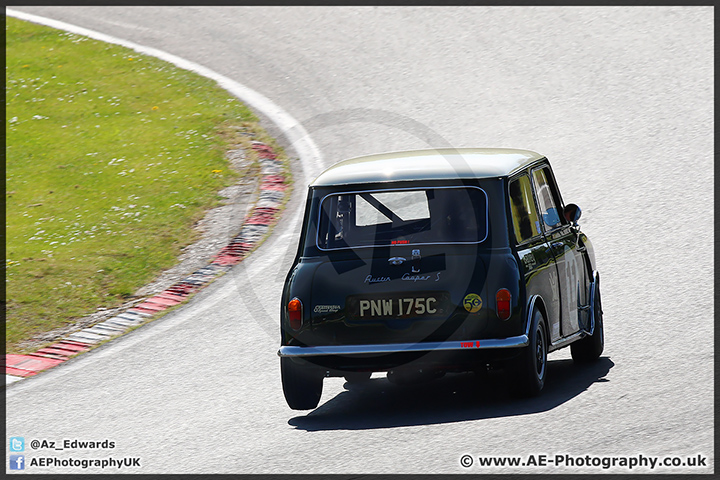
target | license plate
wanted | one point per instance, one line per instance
(398, 305)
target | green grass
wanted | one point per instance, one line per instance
(111, 157)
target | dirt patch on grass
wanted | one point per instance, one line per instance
(217, 228)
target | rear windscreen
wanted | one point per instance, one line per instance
(402, 217)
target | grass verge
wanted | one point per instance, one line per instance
(111, 157)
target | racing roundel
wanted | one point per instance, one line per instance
(472, 302)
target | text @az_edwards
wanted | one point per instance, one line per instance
(74, 444)
(585, 461)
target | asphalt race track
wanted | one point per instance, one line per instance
(620, 99)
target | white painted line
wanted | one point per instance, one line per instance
(310, 156)
(11, 379)
(127, 342)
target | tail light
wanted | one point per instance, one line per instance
(295, 313)
(502, 303)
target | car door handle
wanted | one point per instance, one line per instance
(557, 245)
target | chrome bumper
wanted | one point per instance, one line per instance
(510, 342)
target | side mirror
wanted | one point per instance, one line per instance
(572, 213)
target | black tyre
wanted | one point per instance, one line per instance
(531, 365)
(302, 385)
(591, 347)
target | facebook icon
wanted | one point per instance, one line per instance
(17, 462)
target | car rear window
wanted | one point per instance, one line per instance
(402, 217)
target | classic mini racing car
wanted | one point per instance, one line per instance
(423, 262)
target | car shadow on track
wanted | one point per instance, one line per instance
(452, 398)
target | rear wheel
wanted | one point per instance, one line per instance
(531, 365)
(302, 385)
(591, 347)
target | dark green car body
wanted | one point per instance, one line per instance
(435, 260)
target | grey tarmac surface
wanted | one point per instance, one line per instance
(620, 99)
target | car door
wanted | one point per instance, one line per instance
(538, 262)
(562, 240)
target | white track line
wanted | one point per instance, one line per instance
(311, 160)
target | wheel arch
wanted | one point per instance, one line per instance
(536, 301)
(594, 292)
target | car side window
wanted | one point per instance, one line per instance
(546, 197)
(524, 215)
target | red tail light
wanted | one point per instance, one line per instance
(502, 303)
(295, 313)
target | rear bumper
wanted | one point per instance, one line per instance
(390, 348)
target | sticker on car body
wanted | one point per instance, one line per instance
(472, 302)
(326, 308)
